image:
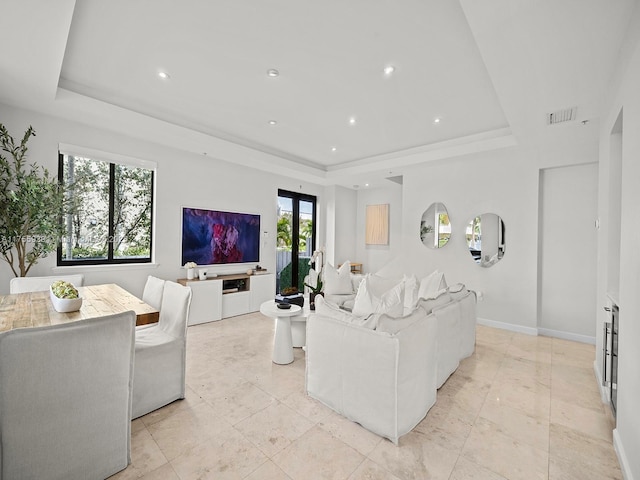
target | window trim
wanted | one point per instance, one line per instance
(112, 160)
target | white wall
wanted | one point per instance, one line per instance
(374, 257)
(504, 182)
(567, 251)
(183, 179)
(624, 95)
(341, 225)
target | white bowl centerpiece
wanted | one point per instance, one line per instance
(64, 297)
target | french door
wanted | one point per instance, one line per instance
(296, 239)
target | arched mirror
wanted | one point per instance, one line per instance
(485, 237)
(435, 227)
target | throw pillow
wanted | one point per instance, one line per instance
(338, 281)
(370, 300)
(431, 284)
(411, 288)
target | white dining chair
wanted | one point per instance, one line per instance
(160, 353)
(65, 399)
(38, 284)
(152, 293)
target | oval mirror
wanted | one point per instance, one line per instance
(435, 227)
(485, 237)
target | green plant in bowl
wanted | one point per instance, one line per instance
(64, 297)
(62, 289)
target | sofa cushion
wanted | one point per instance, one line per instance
(339, 300)
(392, 325)
(328, 309)
(338, 281)
(379, 295)
(457, 291)
(438, 300)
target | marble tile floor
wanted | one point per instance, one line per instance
(521, 407)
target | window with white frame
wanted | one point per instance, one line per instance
(109, 213)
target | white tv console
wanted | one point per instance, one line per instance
(228, 295)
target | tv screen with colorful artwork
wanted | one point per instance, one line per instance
(212, 237)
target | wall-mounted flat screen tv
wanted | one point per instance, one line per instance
(212, 237)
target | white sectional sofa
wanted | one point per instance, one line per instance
(382, 369)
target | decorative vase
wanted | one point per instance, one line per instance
(312, 299)
(191, 273)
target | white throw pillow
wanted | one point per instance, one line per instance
(356, 278)
(338, 281)
(431, 284)
(372, 299)
(411, 288)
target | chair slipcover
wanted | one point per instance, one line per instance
(65, 399)
(38, 284)
(385, 382)
(152, 294)
(160, 353)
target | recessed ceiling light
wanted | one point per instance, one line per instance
(333, 149)
(366, 184)
(388, 70)
(273, 122)
(164, 75)
(352, 120)
(272, 72)
(436, 120)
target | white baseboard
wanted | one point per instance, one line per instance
(574, 337)
(622, 456)
(604, 391)
(507, 326)
(537, 331)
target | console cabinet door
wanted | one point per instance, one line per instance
(206, 301)
(263, 288)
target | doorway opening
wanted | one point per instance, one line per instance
(296, 239)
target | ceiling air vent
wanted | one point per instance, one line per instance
(562, 116)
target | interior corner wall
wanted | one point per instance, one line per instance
(341, 224)
(374, 257)
(624, 95)
(182, 179)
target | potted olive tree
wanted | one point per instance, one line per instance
(31, 204)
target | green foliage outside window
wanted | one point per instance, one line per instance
(110, 218)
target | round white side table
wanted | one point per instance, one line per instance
(282, 340)
(299, 326)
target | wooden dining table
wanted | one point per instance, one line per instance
(34, 309)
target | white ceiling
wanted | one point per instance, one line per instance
(489, 70)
